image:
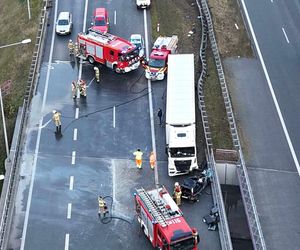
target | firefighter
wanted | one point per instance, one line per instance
(159, 115)
(56, 119)
(82, 88)
(71, 47)
(152, 160)
(74, 89)
(76, 49)
(138, 158)
(102, 206)
(195, 235)
(97, 74)
(177, 193)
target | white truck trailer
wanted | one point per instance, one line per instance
(180, 115)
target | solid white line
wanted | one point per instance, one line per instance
(150, 100)
(114, 116)
(76, 113)
(71, 186)
(272, 91)
(286, 37)
(75, 134)
(69, 211)
(67, 239)
(115, 17)
(114, 183)
(36, 151)
(73, 157)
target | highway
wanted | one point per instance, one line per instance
(266, 99)
(56, 205)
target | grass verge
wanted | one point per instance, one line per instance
(15, 60)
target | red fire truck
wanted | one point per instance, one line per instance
(162, 221)
(112, 51)
(156, 68)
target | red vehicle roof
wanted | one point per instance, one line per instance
(177, 229)
(100, 20)
(159, 54)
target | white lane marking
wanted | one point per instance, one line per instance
(75, 134)
(67, 239)
(286, 133)
(76, 113)
(36, 151)
(46, 124)
(115, 17)
(150, 100)
(236, 26)
(113, 180)
(69, 211)
(286, 37)
(271, 1)
(71, 186)
(73, 157)
(114, 116)
(90, 82)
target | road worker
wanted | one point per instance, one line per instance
(56, 119)
(76, 49)
(102, 206)
(74, 89)
(152, 160)
(177, 193)
(71, 47)
(97, 74)
(82, 87)
(159, 115)
(138, 158)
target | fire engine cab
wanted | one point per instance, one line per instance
(162, 221)
(156, 68)
(112, 51)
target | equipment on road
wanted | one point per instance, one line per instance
(156, 68)
(112, 51)
(162, 221)
(180, 115)
(193, 187)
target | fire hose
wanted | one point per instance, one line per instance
(107, 219)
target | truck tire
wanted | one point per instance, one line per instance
(91, 59)
(116, 69)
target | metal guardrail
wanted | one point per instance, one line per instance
(246, 190)
(224, 232)
(12, 168)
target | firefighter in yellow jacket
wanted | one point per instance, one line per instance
(71, 47)
(177, 193)
(56, 119)
(138, 158)
(97, 74)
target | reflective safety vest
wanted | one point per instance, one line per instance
(138, 155)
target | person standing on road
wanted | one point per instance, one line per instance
(74, 89)
(159, 114)
(97, 74)
(138, 158)
(56, 119)
(71, 47)
(152, 160)
(177, 193)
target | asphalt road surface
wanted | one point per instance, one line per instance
(271, 135)
(62, 176)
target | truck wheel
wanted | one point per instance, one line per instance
(116, 69)
(91, 60)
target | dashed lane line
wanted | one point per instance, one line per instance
(67, 239)
(73, 157)
(69, 211)
(76, 113)
(75, 134)
(71, 186)
(286, 37)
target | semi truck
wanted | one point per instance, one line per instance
(157, 66)
(180, 115)
(162, 221)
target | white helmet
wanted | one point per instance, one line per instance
(95, 68)
(176, 184)
(70, 40)
(54, 111)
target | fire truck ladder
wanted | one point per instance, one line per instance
(104, 36)
(153, 209)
